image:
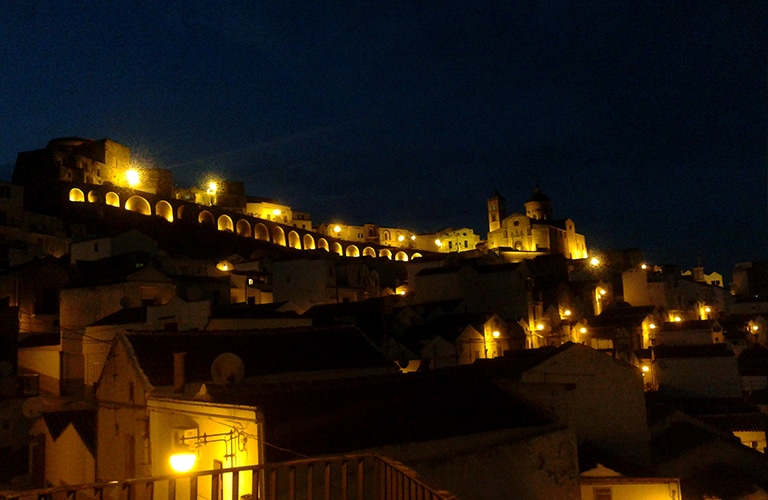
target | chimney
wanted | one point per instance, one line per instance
(178, 372)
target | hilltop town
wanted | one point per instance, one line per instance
(153, 332)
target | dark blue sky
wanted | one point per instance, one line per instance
(644, 122)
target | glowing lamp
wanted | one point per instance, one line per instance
(133, 177)
(496, 334)
(276, 211)
(212, 187)
(401, 238)
(337, 229)
(678, 319)
(594, 262)
(413, 237)
(438, 243)
(652, 326)
(646, 368)
(755, 328)
(183, 461)
(567, 312)
(582, 330)
(540, 326)
(602, 291)
(643, 266)
(707, 309)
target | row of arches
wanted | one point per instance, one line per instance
(264, 231)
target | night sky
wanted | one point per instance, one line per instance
(644, 122)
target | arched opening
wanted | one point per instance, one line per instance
(385, 253)
(205, 217)
(294, 241)
(260, 232)
(76, 195)
(165, 210)
(94, 197)
(416, 255)
(113, 200)
(309, 242)
(336, 248)
(181, 212)
(138, 204)
(225, 223)
(353, 251)
(278, 236)
(401, 256)
(243, 228)
(322, 244)
(369, 252)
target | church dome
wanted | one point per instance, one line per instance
(538, 196)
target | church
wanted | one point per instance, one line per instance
(525, 236)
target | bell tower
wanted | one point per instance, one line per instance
(496, 211)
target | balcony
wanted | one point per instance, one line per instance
(353, 477)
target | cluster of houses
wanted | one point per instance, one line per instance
(519, 371)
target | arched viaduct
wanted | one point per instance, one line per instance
(226, 220)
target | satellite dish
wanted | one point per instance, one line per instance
(227, 368)
(33, 407)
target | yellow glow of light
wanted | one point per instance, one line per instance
(567, 312)
(755, 328)
(582, 330)
(276, 211)
(223, 266)
(643, 266)
(183, 462)
(707, 309)
(401, 238)
(133, 177)
(540, 326)
(337, 229)
(594, 262)
(646, 368)
(496, 334)
(212, 187)
(678, 319)
(652, 326)
(438, 243)
(413, 237)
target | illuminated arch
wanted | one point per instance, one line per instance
(94, 197)
(243, 228)
(401, 256)
(278, 236)
(309, 242)
(113, 200)
(182, 212)
(336, 248)
(205, 217)
(385, 253)
(416, 255)
(294, 241)
(138, 204)
(225, 223)
(165, 210)
(353, 251)
(322, 244)
(260, 232)
(369, 252)
(76, 195)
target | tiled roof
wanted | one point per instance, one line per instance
(83, 421)
(692, 351)
(349, 415)
(264, 352)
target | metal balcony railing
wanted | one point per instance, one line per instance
(351, 477)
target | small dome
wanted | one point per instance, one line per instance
(537, 196)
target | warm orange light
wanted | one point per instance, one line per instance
(707, 309)
(212, 187)
(652, 326)
(413, 237)
(755, 328)
(276, 211)
(540, 326)
(133, 177)
(646, 368)
(438, 243)
(643, 266)
(678, 319)
(594, 262)
(183, 462)
(496, 334)
(337, 229)
(401, 238)
(582, 330)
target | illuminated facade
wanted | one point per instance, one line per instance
(524, 236)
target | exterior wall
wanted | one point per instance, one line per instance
(577, 386)
(240, 448)
(95, 249)
(712, 377)
(46, 362)
(270, 210)
(123, 442)
(525, 465)
(631, 488)
(304, 281)
(67, 459)
(754, 439)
